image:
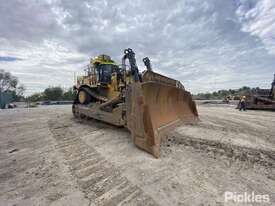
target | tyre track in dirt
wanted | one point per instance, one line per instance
(101, 182)
(30, 170)
(222, 135)
(219, 149)
(191, 174)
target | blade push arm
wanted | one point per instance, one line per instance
(147, 63)
(130, 55)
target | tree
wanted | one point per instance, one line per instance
(20, 90)
(69, 94)
(53, 93)
(35, 97)
(18, 93)
(8, 82)
(222, 94)
(8, 89)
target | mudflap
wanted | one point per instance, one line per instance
(153, 109)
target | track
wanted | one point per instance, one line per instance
(96, 177)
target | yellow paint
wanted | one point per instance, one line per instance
(102, 59)
(82, 97)
(91, 79)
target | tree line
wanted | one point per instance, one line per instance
(232, 93)
(52, 94)
(9, 85)
(11, 90)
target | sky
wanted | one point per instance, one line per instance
(206, 44)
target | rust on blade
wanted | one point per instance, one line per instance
(148, 125)
(163, 107)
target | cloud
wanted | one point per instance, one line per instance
(207, 44)
(48, 63)
(258, 19)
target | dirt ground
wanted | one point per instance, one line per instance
(49, 158)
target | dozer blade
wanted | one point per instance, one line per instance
(153, 109)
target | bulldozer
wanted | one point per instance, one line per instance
(148, 104)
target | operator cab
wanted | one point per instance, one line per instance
(104, 72)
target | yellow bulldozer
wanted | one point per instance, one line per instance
(148, 104)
